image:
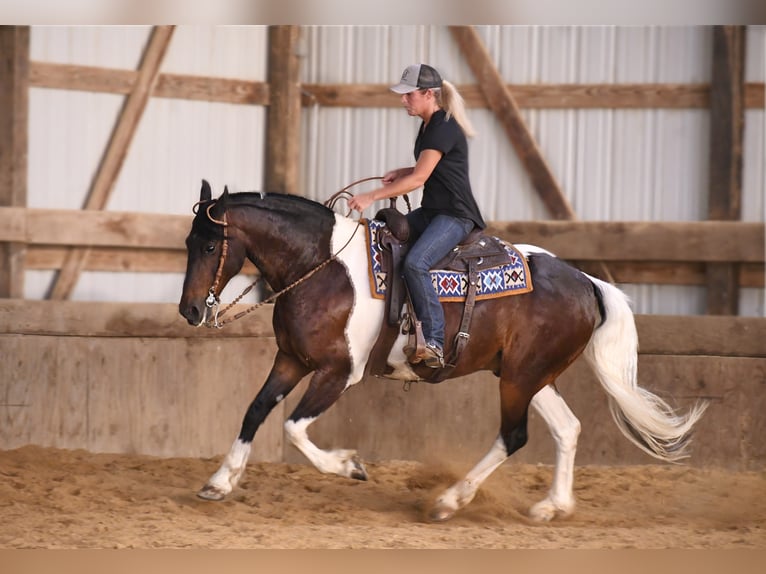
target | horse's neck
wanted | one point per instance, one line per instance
(283, 251)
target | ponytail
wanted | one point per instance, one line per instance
(450, 100)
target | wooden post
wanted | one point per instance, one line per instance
(14, 111)
(284, 115)
(727, 113)
(117, 149)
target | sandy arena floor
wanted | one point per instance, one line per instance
(53, 498)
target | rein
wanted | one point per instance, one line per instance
(213, 300)
(344, 193)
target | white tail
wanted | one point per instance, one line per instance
(643, 417)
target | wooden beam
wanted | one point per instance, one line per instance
(658, 334)
(719, 241)
(116, 259)
(94, 228)
(528, 96)
(108, 319)
(138, 260)
(117, 149)
(284, 116)
(650, 272)
(14, 113)
(542, 96)
(727, 119)
(702, 335)
(112, 81)
(664, 241)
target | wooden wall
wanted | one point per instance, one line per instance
(110, 377)
(670, 253)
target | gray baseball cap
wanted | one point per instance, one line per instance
(417, 77)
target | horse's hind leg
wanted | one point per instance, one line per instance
(462, 492)
(284, 376)
(565, 429)
(514, 403)
(324, 389)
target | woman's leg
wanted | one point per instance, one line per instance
(441, 235)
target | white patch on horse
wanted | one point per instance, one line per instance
(565, 429)
(463, 491)
(526, 250)
(402, 370)
(339, 461)
(366, 317)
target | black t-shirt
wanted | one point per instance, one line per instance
(448, 188)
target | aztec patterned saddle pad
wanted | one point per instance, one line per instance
(451, 286)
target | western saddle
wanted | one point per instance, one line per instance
(478, 252)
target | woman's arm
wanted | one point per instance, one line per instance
(400, 181)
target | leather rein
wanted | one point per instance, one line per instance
(213, 300)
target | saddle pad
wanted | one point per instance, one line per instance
(451, 286)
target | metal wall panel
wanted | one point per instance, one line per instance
(611, 164)
(648, 165)
(176, 144)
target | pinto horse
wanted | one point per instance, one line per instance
(326, 322)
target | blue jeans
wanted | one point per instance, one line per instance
(434, 238)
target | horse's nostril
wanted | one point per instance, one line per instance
(191, 313)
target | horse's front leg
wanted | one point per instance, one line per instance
(285, 374)
(324, 389)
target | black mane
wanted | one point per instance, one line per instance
(294, 207)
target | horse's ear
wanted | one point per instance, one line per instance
(224, 195)
(205, 194)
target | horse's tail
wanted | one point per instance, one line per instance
(643, 417)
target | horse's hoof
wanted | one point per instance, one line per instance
(545, 511)
(358, 472)
(209, 492)
(441, 513)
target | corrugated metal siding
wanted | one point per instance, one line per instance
(753, 301)
(611, 164)
(177, 142)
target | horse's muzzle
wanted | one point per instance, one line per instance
(193, 313)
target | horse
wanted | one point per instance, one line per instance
(326, 322)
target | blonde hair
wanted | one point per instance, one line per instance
(450, 100)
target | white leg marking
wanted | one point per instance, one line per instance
(462, 492)
(228, 475)
(340, 461)
(565, 429)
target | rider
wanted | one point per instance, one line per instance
(448, 211)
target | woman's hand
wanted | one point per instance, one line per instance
(362, 201)
(395, 174)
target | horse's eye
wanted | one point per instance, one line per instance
(210, 247)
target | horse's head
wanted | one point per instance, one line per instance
(214, 256)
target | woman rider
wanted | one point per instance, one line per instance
(448, 210)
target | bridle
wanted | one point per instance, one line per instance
(213, 300)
